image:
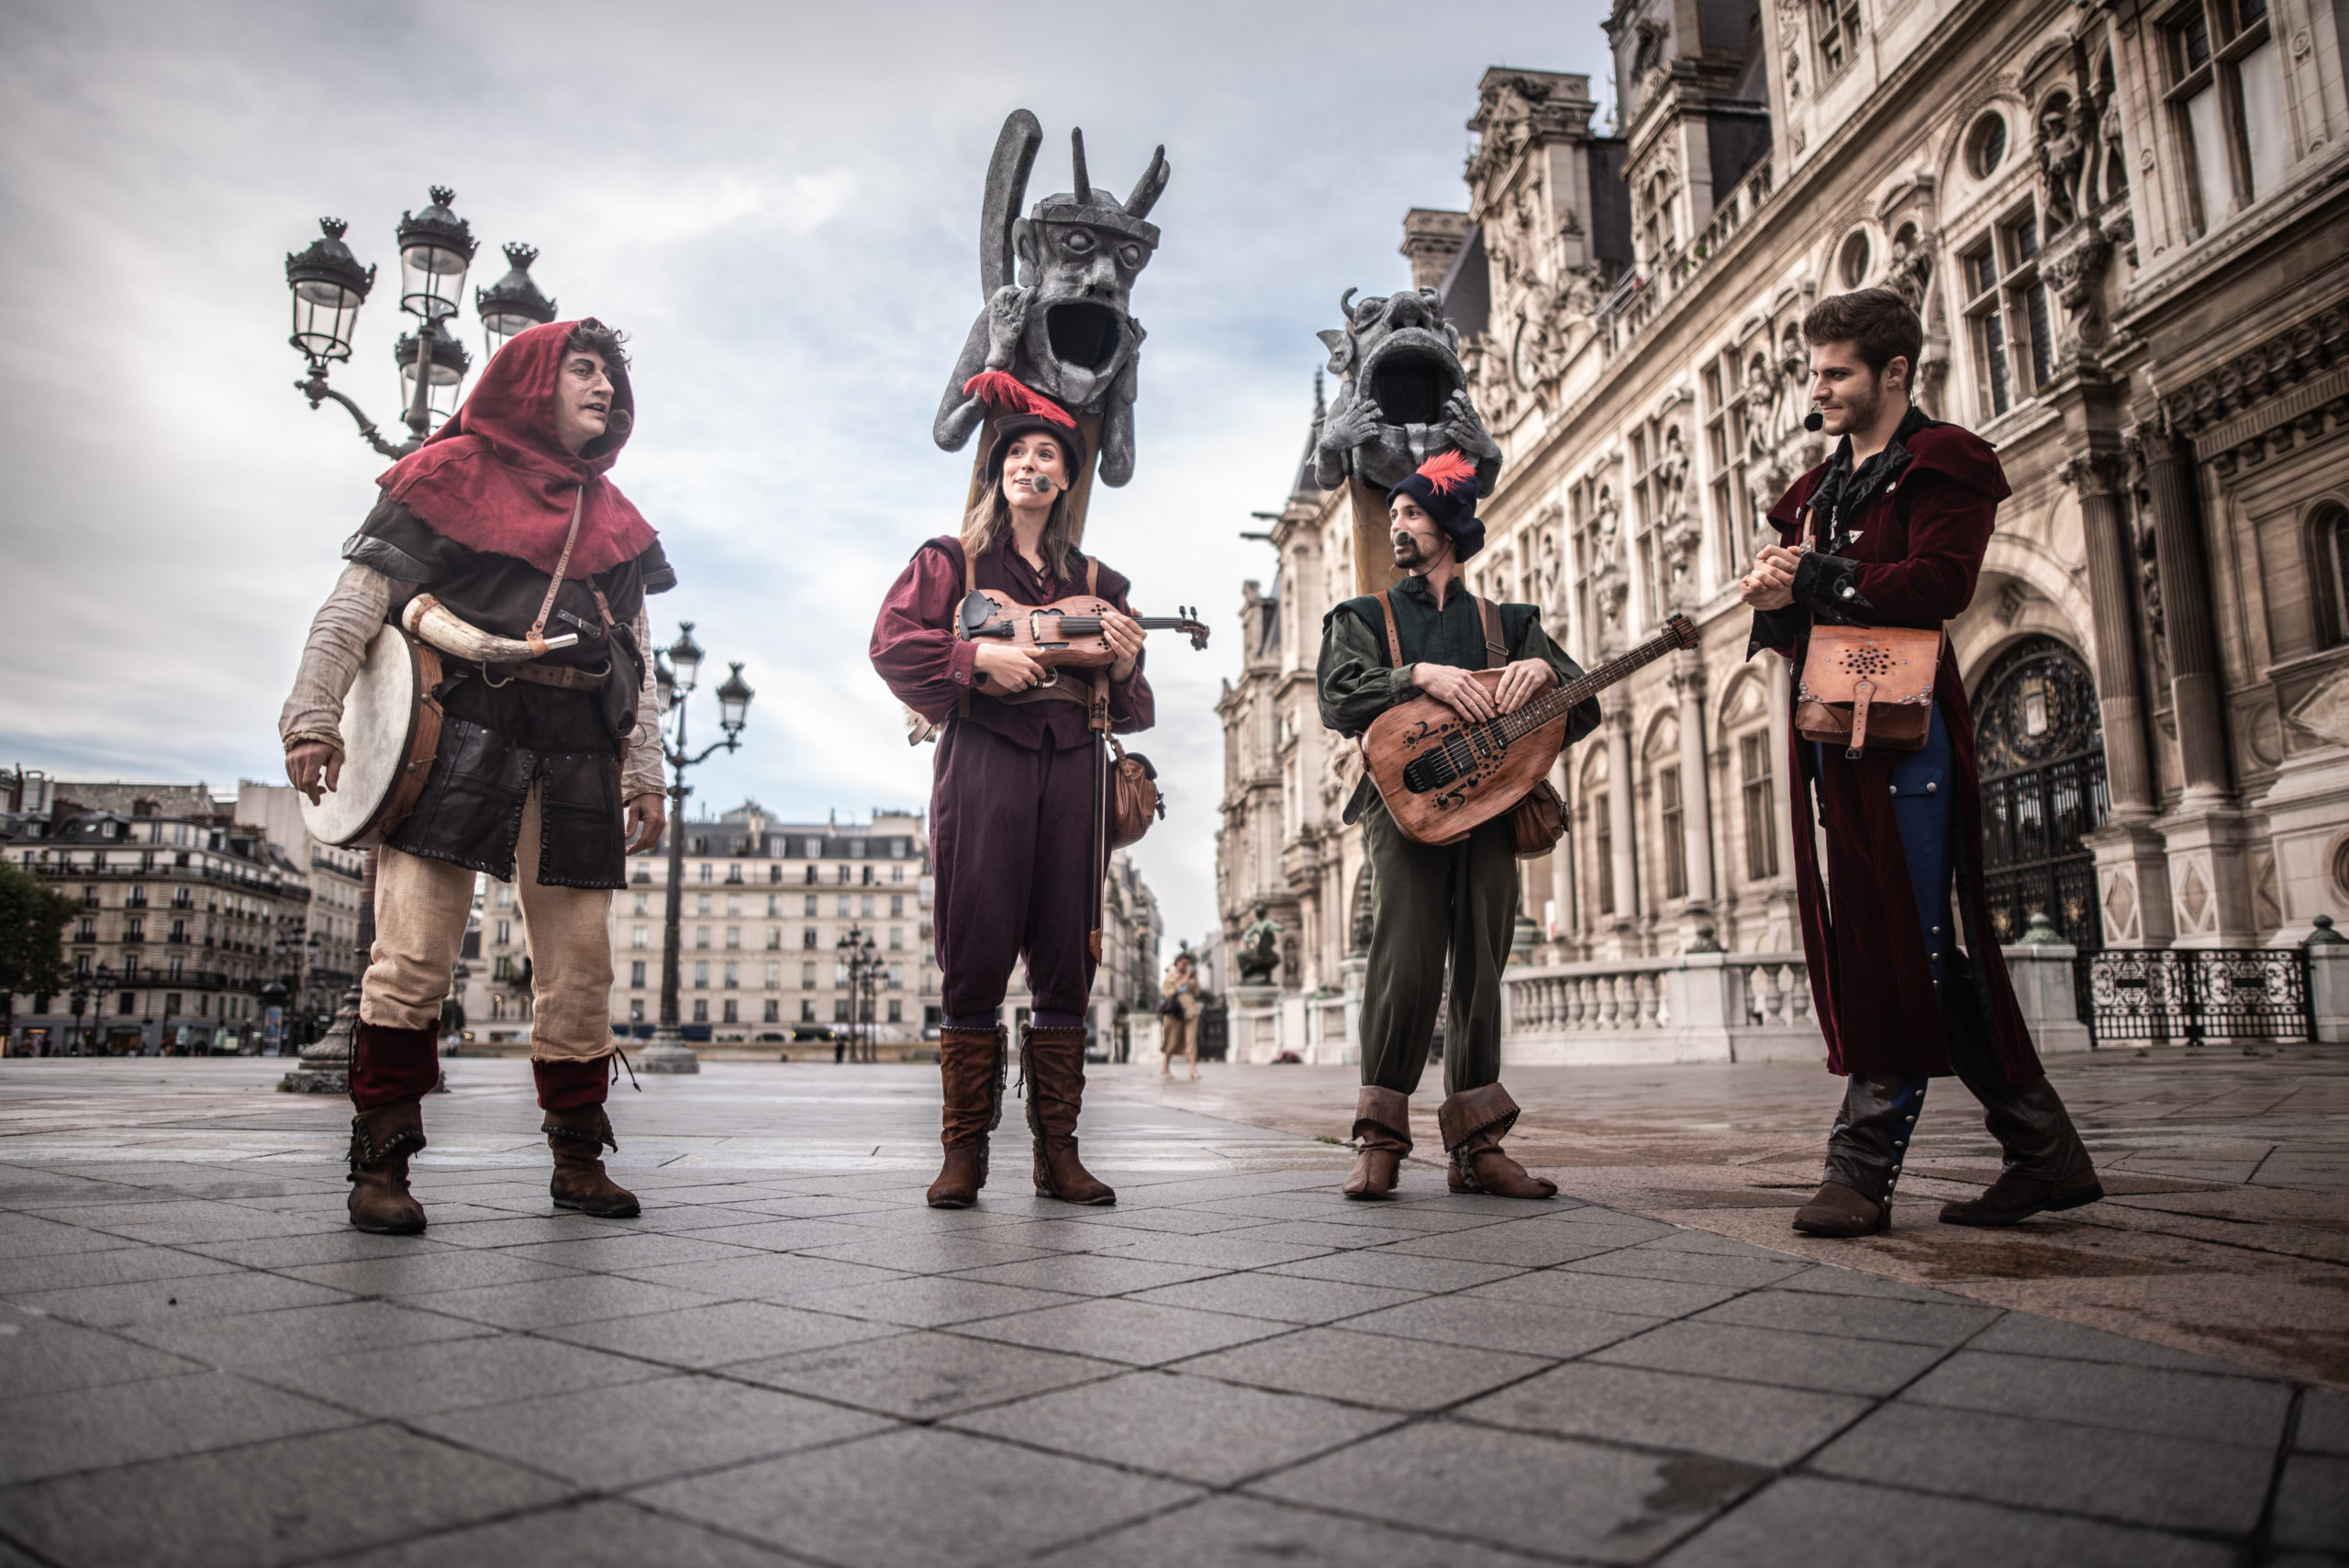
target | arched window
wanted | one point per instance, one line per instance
(2329, 564)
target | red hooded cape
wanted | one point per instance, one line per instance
(495, 479)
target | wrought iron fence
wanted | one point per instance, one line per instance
(2192, 995)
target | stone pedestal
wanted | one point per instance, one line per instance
(1254, 1015)
(1350, 970)
(2042, 975)
(2210, 881)
(667, 1053)
(2306, 808)
(2132, 884)
(326, 1061)
(2329, 986)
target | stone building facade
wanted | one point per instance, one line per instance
(2123, 225)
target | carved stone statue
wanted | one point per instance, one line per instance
(1259, 950)
(1062, 326)
(1793, 400)
(1402, 395)
(1760, 392)
(1909, 271)
(2062, 151)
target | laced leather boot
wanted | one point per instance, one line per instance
(578, 1138)
(1864, 1156)
(1052, 1062)
(382, 1139)
(1382, 1139)
(970, 1066)
(1473, 1123)
(2047, 1166)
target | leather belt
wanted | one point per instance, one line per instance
(568, 676)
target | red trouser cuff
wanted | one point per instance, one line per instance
(567, 1085)
(389, 1065)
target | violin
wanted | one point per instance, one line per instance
(1066, 631)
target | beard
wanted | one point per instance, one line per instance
(1858, 410)
(1410, 553)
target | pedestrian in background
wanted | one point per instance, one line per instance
(1178, 1017)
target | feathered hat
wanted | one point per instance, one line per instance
(1445, 488)
(1021, 410)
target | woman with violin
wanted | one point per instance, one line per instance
(1017, 857)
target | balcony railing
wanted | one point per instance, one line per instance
(1643, 291)
(2193, 995)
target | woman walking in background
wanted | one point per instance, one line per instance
(1178, 1017)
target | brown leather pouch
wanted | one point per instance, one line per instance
(1868, 687)
(1133, 797)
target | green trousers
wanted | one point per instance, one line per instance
(1427, 901)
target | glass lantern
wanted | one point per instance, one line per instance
(514, 303)
(733, 701)
(328, 286)
(685, 656)
(436, 249)
(445, 373)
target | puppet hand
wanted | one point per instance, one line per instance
(647, 814)
(1007, 319)
(313, 764)
(1352, 425)
(1464, 430)
(1454, 687)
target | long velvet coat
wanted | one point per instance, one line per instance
(1913, 562)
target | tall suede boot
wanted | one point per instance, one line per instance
(1052, 1062)
(1864, 1156)
(2047, 1166)
(1473, 1123)
(382, 1139)
(1382, 1139)
(578, 1138)
(970, 1068)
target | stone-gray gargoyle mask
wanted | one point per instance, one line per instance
(1063, 329)
(1402, 395)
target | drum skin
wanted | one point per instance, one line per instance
(391, 729)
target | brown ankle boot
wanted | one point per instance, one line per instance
(1473, 1123)
(1052, 1062)
(1865, 1153)
(1844, 1212)
(970, 1067)
(578, 1139)
(381, 1140)
(1381, 1137)
(2047, 1166)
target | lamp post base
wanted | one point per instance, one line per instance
(326, 1061)
(668, 1052)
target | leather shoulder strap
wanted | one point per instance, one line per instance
(1394, 638)
(970, 586)
(1496, 650)
(1093, 576)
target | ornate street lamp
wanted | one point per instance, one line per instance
(436, 249)
(676, 677)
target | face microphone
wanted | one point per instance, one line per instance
(1814, 420)
(1041, 482)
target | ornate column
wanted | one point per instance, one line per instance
(1621, 782)
(2197, 696)
(2132, 867)
(1784, 930)
(1696, 792)
(1561, 864)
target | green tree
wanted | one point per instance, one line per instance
(32, 939)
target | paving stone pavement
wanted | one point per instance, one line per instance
(789, 1360)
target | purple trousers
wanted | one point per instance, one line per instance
(1010, 838)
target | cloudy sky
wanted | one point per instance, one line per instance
(780, 203)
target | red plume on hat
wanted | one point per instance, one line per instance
(1448, 472)
(1008, 392)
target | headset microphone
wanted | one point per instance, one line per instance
(1814, 420)
(1041, 482)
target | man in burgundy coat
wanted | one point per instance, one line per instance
(1890, 531)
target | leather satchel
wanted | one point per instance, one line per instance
(1134, 801)
(1866, 687)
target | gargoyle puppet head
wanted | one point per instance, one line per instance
(1402, 395)
(1059, 324)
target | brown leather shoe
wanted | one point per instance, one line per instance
(1382, 1139)
(578, 1139)
(1052, 1062)
(1838, 1210)
(381, 1141)
(1473, 1123)
(2015, 1197)
(969, 1070)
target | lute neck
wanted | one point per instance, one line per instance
(1563, 700)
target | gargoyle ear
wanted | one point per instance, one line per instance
(1023, 245)
(1340, 349)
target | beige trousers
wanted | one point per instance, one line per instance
(421, 906)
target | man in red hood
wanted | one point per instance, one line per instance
(1890, 532)
(507, 518)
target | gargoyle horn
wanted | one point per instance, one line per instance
(1076, 159)
(1007, 189)
(1346, 304)
(1150, 187)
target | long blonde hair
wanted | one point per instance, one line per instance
(989, 520)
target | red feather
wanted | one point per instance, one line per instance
(1448, 471)
(1007, 391)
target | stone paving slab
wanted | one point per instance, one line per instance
(789, 1360)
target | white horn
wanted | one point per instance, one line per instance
(430, 620)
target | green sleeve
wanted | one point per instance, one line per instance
(1534, 643)
(1356, 686)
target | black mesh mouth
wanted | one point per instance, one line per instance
(1082, 334)
(1409, 387)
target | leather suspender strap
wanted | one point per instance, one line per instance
(538, 637)
(1394, 641)
(1495, 650)
(1099, 716)
(970, 586)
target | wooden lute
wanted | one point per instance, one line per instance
(1442, 775)
(1066, 631)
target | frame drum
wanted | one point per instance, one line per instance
(391, 729)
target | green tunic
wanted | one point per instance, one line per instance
(1428, 900)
